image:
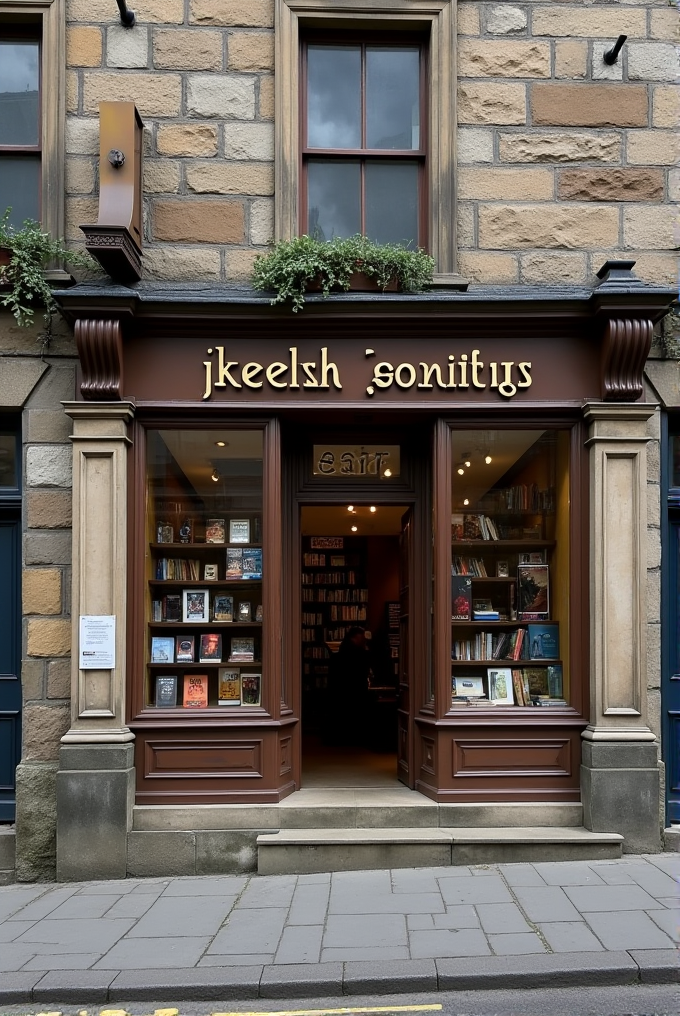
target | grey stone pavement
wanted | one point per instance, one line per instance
(294, 936)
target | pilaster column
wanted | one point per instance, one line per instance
(619, 775)
(95, 783)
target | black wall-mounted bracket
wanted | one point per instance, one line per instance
(612, 55)
(127, 17)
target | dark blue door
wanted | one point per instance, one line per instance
(670, 671)
(10, 614)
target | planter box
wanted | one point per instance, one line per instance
(359, 282)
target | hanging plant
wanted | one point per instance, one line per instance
(293, 267)
(24, 255)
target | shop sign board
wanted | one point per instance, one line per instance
(352, 461)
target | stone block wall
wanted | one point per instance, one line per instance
(563, 161)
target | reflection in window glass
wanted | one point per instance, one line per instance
(392, 202)
(510, 568)
(392, 98)
(334, 97)
(20, 187)
(8, 461)
(333, 199)
(19, 93)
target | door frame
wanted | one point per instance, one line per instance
(10, 516)
(670, 628)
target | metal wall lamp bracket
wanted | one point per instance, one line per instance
(127, 17)
(612, 55)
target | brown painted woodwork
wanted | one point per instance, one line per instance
(625, 348)
(406, 661)
(100, 349)
(116, 238)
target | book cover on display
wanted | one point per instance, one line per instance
(162, 650)
(555, 682)
(210, 650)
(195, 691)
(500, 687)
(470, 685)
(234, 563)
(214, 531)
(518, 686)
(533, 603)
(252, 563)
(184, 649)
(239, 531)
(244, 611)
(229, 687)
(223, 608)
(242, 651)
(251, 689)
(166, 691)
(195, 605)
(461, 598)
(544, 641)
(537, 678)
(172, 607)
(457, 527)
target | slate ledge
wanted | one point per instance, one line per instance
(60, 987)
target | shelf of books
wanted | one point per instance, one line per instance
(204, 588)
(508, 615)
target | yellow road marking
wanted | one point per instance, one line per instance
(328, 1012)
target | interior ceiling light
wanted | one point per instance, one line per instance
(373, 508)
(466, 501)
(487, 459)
(221, 444)
(350, 507)
(461, 471)
(354, 529)
(388, 472)
(214, 475)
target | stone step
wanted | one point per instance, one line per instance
(356, 809)
(7, 839)
(303, 851)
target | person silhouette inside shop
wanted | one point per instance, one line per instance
(349, 689)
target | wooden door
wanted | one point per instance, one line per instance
(405, 768)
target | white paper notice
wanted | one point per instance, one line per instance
(97, 642)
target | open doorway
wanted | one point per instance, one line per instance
(351, 644)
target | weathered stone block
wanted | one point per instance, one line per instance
(32, 680)
(224, 96)
(250, 51)
(465, 225)
(653, 148)
(43, 726)
(480, 266)
(161, 853)
(649, 227)
(190, 264)
(468, 19)
(48, 509)
(503, 59)
(506, 184)
(571, 59)
(571, 147)
(240, 264)
(262, 222)
(482, 102)
(230, 178)
(652, 61)
(266, 101)
(198, 221)
(82, 136)
(664, 24)
(572, 227)
(506, 19)
(610, 185)
(190, 50)
(666, 106)
(620, 799)
(41, 591)
(83, 46)
(589, 105)
(544, 267)
(153, 94)
(589, 22)
(79, 176)
(18, 378)
(49, 466)
(161, 176)
(474, 145)
(127, 49)
(249, 141)
(187, 139)
(48, 637)
(59, 679)
(47, 425)
(167, 11)
(233, 851)
(79, 210)
(233, 13)
(36, 822)
(72, 91)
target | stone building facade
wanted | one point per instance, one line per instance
(562, 162)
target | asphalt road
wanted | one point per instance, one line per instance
(633, 1000)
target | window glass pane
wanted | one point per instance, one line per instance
(204, 569)
(391, 190)
(675, 460)
(392, 98)
(333, 199)
(20, 187)
(509, 564)
(334, 97)
(19, 93)
(8, 460)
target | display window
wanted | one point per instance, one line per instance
(510, 568)
(204, 570)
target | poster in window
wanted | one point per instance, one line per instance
(251, 689)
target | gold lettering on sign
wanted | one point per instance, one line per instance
(459, 373)
(377, 461)
(226, 373)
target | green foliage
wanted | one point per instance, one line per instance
(293, 264)
(30, 250)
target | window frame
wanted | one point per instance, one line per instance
(437, 19)
(364, 154)
(49, 19)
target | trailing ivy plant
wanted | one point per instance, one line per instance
(30, 250)
(292, 265)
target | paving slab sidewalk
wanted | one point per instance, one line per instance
(558, 924)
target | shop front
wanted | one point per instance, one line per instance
(389, 543)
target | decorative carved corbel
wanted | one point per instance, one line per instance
(100, 348)
(625, 348)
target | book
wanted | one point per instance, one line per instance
(537, 678)
(223, 608)
(468, 685)
(186, 531)
(461, 597)
(210, 649)
(533, 601)
(258, 612)
(162, 650)
(242, 651)
(214, 531)
(555, 683)
(244, 611)
(172, 607)
(185, 649)
(195, 605)
(486, 615)
(229, 687)
(500, 686)
(166, 691)
(239, 531)
(251, 689)
(252, 563)
(457, 527)
(544, 641)
(518, 686)
(195, 691)
(546, 703)
(472, 527)
(234, 563)
(210, 573)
